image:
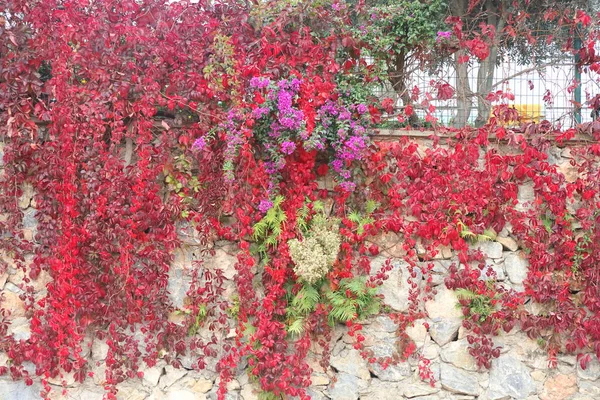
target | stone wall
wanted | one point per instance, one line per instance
(521, 371)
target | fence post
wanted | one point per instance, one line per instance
(577, 94)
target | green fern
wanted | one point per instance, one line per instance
(488, 235)
(352, 300)
(371, 206)
(362, 303)
(548, 223)
(266, 232)
(363, 219)
(478, 304)
(300, 306)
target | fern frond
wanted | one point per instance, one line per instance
(465, 294)
(356, 285)
(296, 327)
(354, 217)
(371, 206)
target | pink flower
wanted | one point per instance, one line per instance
(288, 147)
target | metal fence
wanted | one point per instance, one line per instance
(547, 91)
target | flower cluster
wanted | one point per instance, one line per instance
(314, 256)
(281, 127)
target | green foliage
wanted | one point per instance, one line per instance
(234, 309)
(548, 222)
(363, 219)
(198, 318)
(488, 235)
(303, 215)
(300, 306)
(581, 251)
(479, 304)
(352, 300)
(182, 182)
(404, 25)
(266, 231)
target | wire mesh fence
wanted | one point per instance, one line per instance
(552, 91)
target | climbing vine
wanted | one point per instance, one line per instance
(131, 119)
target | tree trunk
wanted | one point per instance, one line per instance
(485, 75)
(463, 92)
(398, 79)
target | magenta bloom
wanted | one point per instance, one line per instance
(443, 35)
(265, 205)
(288, 147)
(199, 144)
(259, 83)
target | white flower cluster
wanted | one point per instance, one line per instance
(314, 256)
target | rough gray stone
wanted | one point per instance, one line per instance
(516, 267)
(395, 288)
(592, 370)
(587, 388)
(381, 391)
(489, 249)
(351, 362)
(17, 390)
(90, 394)
(225, 261)
(171, 375)
(443, 331)
(458, 381)
(184, 394)
(346, 387)
(25, 199)
(383, 323)
(314, 394)
(212, 395)
(509, 378)
(525, 194)
(179, 278)
(202, 386)
(393, 373)
(418, 389)
(29, 220)
(249, 392)
(20, 328)
(497, 268)
(417, 332)
(152, 375)
(131, 391)
(99, 349)
(443, 305)
(457, 354)
(508, 243)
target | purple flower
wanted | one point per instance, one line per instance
(295, 84)
(259, 83)
(270, 167)
(356, 143)
(443, 35)
(345, 115)
(361, 108)
(337, 165)
(260, 112)
(265, 205)
(288, 147)
(348, 186)
(336, 6)
(284, 101)
(199, 144)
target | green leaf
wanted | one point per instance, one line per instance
(296, 327)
